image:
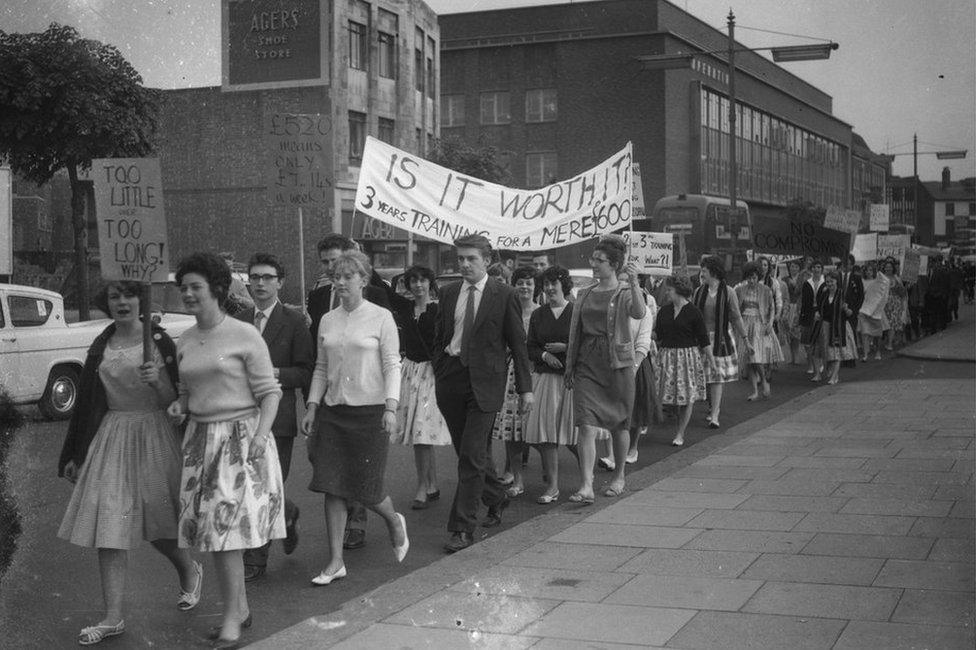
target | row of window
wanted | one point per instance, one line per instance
(776, 161)
(541, 105)
(385, 131)
(386, 52)
(950, 209)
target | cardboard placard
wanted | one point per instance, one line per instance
(797, 238)
(844, 220)
(865, 247)
(652, 251)
(878, 217)
(299, 159)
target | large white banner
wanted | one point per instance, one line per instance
(414, 194)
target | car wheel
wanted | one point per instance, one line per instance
(61, 393)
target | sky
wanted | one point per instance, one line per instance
(904, 67)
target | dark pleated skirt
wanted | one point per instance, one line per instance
(644, 398)
(348, 452)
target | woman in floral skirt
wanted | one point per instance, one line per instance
(231, 490)
(757, 304)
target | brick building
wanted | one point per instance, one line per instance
(560, 88)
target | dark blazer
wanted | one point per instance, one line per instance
(497, 329)
(854, 294)
(291, 353)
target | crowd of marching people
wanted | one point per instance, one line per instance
(189, 448)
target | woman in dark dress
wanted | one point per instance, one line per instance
(419, 421)
(808, 312)
(682, 339)
(833, 331)
(600, 361)
(550, 422)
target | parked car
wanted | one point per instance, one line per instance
(41, 355)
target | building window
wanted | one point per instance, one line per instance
(950, 209)
(419, 141)
(418, 69)
(972, 209)
(541, 169)
(358, 46)
(430, 77)
(540, 105)
(387, 56)
(357, 137)
(452, 110)
(495, 108)
(386, 130)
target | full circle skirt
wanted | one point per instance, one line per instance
(551, 418)
(682, 377)
(510, 422)
(420, 421)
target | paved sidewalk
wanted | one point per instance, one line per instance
(843, 519)
(956, 343)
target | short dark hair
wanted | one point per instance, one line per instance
(524, 273)
(335, 240)
(850, 259)
(680, 284)
(715, 266)
(615, 248)
(769, 264)
(127, 287)
(816, 261)
(499, 270)
(832, 273)
(419, 272)
(477, 241)
(558, 274)
(213, 269)
(266, 259)
(751, 268)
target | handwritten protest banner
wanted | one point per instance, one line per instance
(409, 192)
(797, 238)
(653, 251)
(298, 159)
(639, 209)
(911, 266)
(844, 220)
(865, 247)
(878, 217)
(923, 265)
(131, 221)
(894, 246)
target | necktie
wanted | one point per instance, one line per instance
(467, 325)
(259, 321)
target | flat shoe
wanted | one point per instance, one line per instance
(419, 505)
(613, 492)
(583, 500)
(546, 499)
(632, 458)
(607, 464)
(677, 443)
(98, 633)
(189, 599)
(515, 491)
(215, 630)
(434, 496)
(324, 578)
(226, 644)
(400, 551)
(713, 424)
(752, 398)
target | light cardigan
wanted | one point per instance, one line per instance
(767, 302)
(225, 371)
(641, 330)
(358, 360)
(620, 343)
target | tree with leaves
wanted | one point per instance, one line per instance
(65, 100)
(480, 161)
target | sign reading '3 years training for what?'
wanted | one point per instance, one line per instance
(424, 198)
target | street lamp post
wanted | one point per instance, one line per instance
(956, 154)
(733, 160)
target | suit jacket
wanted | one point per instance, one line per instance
(497, 326)
(291, 353)
(854, 294)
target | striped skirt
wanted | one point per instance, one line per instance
(726, 368)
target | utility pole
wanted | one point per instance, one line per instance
(733, 166)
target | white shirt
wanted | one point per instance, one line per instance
(267, 314)
(454, 347)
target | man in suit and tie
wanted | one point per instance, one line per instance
(320, 301)
(286, 336)
(852, 288)
(479, 323)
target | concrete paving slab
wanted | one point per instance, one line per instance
(935, 607)
(623, 535)
(555, 555)
(750, 541)
(824, 462)
(611, 623)
(791, 488)
(925, 452)
(702, 500)
(824, 601)
(927, 574)
(922, 478)
(801, 475)
(642, 515)
(859, 635)
(793, 504)
(826, 522)
(406, 636)
(741, 519)
(879, 451)
(877, 546)
(453, 610)
(727, 486)
(942, 527)
(687, 562)
(963, 510)
(751, 448)
(954, 492)
(685, 592)
(740, 460)
(910, 464)
(553, 584)
(927, 508)
(566, 644)
(951, 549)
(740, 631)
(818, 569)
(886, 491)
(746, 473)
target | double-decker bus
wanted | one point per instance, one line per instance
(707, 223)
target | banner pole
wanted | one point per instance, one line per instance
(301, 255)
(145, 310)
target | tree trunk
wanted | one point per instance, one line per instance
(79, 224)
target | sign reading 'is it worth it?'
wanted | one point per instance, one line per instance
(419, 196)
(131, 220)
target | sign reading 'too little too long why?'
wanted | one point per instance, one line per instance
(424, 198)
(131, 221)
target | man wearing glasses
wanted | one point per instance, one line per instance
(283, 330)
